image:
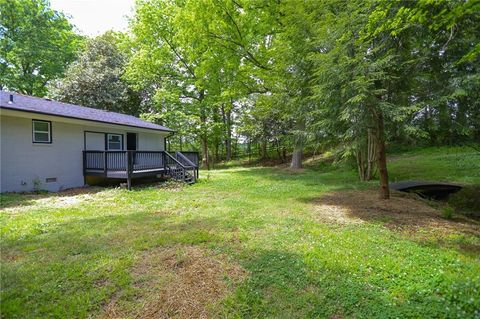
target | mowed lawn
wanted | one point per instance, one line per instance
(245, 243)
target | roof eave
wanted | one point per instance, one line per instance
(88, 120)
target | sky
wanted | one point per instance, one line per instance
(94, 17)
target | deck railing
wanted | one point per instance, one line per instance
(186, 162)
(194, 157)
(128, 164)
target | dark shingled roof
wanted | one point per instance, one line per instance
(44, 106)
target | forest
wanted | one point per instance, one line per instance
(270, 79)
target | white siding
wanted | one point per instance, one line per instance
(94, 141)
(150, 142)
(23, 162)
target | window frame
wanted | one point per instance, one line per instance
(50, 134)
(107, 142)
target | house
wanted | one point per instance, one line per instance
(49, 145)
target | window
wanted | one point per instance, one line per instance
(42, 131)
(114, 142)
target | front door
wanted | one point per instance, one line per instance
(132, 145)
(131, 141)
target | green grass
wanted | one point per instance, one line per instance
(67, 256)
(449, 164)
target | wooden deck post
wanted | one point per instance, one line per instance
(105, 161)
(84, 159)
(129, 170)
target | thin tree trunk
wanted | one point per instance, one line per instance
(227, 122)
(360, 163)
(217, 152)
(204, 138)
(382, 157)
(249, 149)
(264, 149)
(371, 155)
(206, 161)
(228, 142)
(279, 152)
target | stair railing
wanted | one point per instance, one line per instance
(170, 159)
(187, 163)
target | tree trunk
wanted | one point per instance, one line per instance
(279, 152)
(206, 161)
(371, 155)
(264, 149)
(204, 138)
(297, 158)
(228, 141)
(298, 147)
(216, 150)
(382, 156)
(366, 156)
(227, 122)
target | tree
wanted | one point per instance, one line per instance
(201, 74)
(36, 45)
(95, 79)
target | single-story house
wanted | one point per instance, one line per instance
(49, 145)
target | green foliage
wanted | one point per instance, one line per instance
(36, 45)
(95, 79)
(283, 75)
(467, 200)
(447, 212)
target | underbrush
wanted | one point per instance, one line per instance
(466, 201)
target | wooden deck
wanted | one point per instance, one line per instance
(132, 164)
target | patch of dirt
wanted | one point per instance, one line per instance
(401, 212)
(171, 185)
(64, 198)
(178, 282)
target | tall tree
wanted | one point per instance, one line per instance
(95, 79)
(36, 45)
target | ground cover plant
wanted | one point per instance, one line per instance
(251, 242)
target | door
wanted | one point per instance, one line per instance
(132, 145)
(131, 141)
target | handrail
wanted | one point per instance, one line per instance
(175, 160)
(191, 164)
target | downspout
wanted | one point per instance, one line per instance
(165, 140)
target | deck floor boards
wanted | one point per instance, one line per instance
(123, 174)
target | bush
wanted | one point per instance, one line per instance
(447, 212)
(466, 201)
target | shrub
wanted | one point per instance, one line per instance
(447, 212)
(466, 201)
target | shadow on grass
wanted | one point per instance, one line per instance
(402, 213)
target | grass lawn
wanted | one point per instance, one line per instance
(245, 243)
